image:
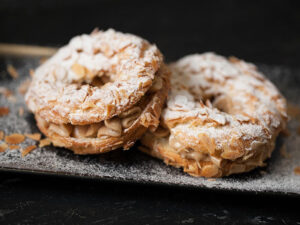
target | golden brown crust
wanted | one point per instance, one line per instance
(151, 105)
(222, 117)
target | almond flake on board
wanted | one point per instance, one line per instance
(1, 134)
(13, 147)
(35, 136)
(4, 111)
(3, 147)
(28, 149)
(23, 87)
(14, 138)
(44, 142)
(297, 170)
(12, 71)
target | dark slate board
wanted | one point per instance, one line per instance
(133, 166)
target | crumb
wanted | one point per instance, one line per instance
(3, 147)
(13, 147)
(14, 138)
(283, 152)
(21, 111)
(5, 91)
(23, 87)
(12, 71)
(28, 149)
(4, 111)
(1, 134)
(35, 136)
(297, 170)
(211, 179)
(44, 142)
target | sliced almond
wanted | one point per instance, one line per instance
(4, 111)
(79, 70)
(13, 147)
(3, 147)
(297, 170)
(14, 138)
(1, 134)
(44, 142)
(35, 136)
(28, 149)
(23, 87)
(12, 71)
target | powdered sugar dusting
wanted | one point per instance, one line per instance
(134, 166)
(63, 84)
(248, 94)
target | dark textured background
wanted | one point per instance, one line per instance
(259, 31)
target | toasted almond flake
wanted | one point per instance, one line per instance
(4, 111)
(35, 136)
(21, 111)
(23, 87)
(5, 91)
(28, 149)
(78, 69)
(3, 147)
(211, 179)
(13, 147)
(283, 152)
(297, 170)
(1, 134)
(44, 142)
(12, 71)
(14, 138)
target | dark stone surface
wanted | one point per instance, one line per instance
(260, 31)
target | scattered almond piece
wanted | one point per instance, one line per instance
(284, 153)
(5, 91)
(297, 170)
(12, 71)
(14, 138)
(1, 134)
(35, 136)
(4, 111)
(13, 147)
(28, 149)
(3, 147)
(44, 142)
(211, 179)
(21, 111)
(23, 87)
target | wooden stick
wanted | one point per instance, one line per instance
(26, 50)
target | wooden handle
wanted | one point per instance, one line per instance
(26, 50)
